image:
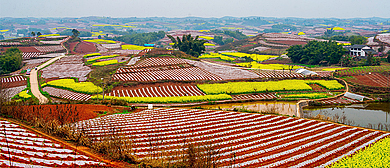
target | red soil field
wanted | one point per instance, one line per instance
(71, 47)
(86, 111)
(85, 47)
(289, 42)
(373, 79)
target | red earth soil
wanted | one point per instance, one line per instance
(282, 61)
(85, 47)
(71, 47)
(290, 42)
(373, 79)
(25, 49)
(86, 111)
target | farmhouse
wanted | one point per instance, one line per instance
(360, 50)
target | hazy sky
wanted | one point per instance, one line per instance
(200, 8)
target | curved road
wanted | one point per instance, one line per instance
(34, 81)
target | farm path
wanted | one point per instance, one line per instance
(34, 81)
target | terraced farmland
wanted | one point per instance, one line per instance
(183, 74)
(23, 148)
(65, 94)
(13, 81)
(160, 61)
(240, 139)
(158, 91)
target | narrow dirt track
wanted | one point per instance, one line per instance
(34, 81)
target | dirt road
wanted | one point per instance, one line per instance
(34, 81)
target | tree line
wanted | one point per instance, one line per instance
(315, 53)
(141, 38)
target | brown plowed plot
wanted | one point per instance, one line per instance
(324, 73)
(261, 96)
(317, 87)
(85, 47)
(339, 100)
(276, 74)
(373, 79)
(289, 42)
(13, 81)
(157, 90)
(183, 74)
(65, 94)
(224, 72)
(72, 46)
(46, 49)
(23, 148)
(159, 61)
(240, 139)
(147, 69)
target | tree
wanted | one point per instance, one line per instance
(388, 56)
(189, 45)
(75, 33)
(141, 38)
(369, 59)
(315, 53)
(33, 34)
(11, 60)
(39, 33)
(357, 40)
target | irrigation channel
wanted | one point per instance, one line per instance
(371, 115)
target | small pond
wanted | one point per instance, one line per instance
(371, 115)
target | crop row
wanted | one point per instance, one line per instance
(241, 139)
(65, 94)
(256, 65)
(64, 70)
(134, 47)
(148, 69)
(104, 63)
(184, 74)
(23, 148)
(225, 72)
(93, 59)
(217, 55)
(179, 99)
(269, 86)
(13, 79)
(163, 91)
(9, 43)
(306, 95)
(255, 57)
(375, 155)
(339, 100)
(46, 49)
(277, 74)
(261, 96)
(31, 55)
(160, 61)
(81, 87)
(363, 70)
